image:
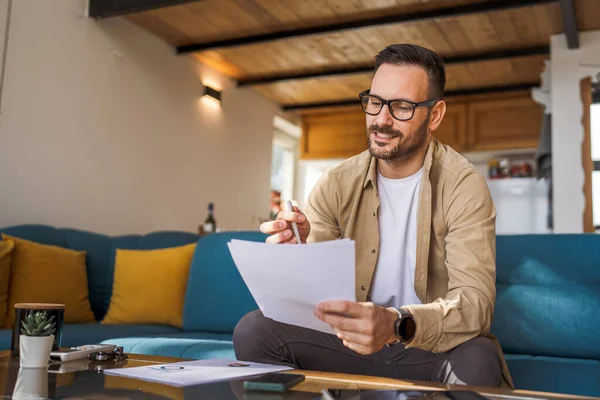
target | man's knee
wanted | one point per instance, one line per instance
(247, 333)
(476, 362)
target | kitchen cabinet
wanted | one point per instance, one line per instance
(483, 123)
(507, 123)
(337, 134)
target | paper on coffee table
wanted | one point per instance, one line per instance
(190, 373)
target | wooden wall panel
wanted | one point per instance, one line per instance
(508, 123)
(585, 87)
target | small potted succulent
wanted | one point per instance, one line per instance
(37, 337)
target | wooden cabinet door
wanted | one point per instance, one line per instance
(453, 129)
(502, 124)
(336, 135)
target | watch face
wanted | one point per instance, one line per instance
(397, 326)
(400, 325)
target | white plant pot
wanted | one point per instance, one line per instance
(32, 383)
(34, 351)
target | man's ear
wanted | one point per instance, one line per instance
(437, 114)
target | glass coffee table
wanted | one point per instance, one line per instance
(85, 380)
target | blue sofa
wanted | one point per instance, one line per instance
(547, 314)
(216, 296)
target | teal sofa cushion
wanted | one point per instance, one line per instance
(80, 334)
(5, 339)
(548, 295)
(554, 374)
(43, 234)
(99, 262)
(101, 250)
(216, 296)
(194, 345)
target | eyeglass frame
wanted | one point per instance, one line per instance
(415, 105)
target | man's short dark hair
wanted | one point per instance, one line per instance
(410, 54)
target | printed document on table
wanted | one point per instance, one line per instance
(191, 373)
(287, 281)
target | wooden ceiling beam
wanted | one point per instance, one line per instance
(453, 93)
(460, 59)
(567, 9)
(113, 8)
(467, 9)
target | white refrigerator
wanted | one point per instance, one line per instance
(521, 205)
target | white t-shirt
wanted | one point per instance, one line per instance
(393, 282)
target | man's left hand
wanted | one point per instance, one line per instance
(363, 327)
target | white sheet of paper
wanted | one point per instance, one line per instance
(288, 281)
(191, 373)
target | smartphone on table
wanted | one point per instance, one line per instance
(273, 382)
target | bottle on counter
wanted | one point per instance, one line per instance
(493, 170)
(210, 224)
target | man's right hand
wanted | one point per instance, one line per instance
(281, 229)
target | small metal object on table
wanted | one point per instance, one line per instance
(116, 354)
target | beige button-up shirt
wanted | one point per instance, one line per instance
(455, 269)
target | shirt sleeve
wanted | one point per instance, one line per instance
(323, 222)
(467, 309)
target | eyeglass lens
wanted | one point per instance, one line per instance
(400, 109)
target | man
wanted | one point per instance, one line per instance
(423, 223)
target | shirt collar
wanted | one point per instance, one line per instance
(371, 176)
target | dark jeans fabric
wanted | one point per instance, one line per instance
(260, 339)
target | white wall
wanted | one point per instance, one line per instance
(568, 68)
(102, 128)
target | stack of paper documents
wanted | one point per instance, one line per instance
(287, 281)
(191, 373)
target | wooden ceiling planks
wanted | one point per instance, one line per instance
(588, 14)
(212, 20)
(312, 90)
(154, 22)
(459, 76)
(448, 36)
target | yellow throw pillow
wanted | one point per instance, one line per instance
(149, 286)
(49, 274)
(6, 248)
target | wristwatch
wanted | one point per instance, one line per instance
(400, 325)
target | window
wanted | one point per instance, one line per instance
(595, 142)
(283, 168)
(309, 173)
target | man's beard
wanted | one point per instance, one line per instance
(405, 150)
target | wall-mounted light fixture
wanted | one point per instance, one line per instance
(213, 94)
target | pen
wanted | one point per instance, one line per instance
(294, 225)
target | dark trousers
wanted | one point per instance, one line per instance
(260, 339)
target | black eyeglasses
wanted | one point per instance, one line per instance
(402, 110)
